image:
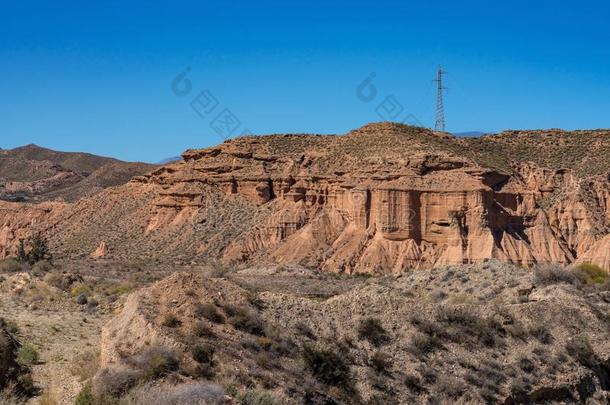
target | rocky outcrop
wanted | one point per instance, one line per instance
(383, 198)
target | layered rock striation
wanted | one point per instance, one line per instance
(383, 198)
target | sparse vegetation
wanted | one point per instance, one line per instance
(580, 349)
(85, 396)
(37, 250)
(9, 266)
(253, 397)
(209, 312)
(245, 320)
(380, 362)
(85, 365)
(372, 330)
(592, 274)
(327, 366)
(203, 353)
(170, 320)
(546, 274)
(27, 355)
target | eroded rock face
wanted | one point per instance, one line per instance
(383, 198)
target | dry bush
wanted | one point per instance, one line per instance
(209, 312)
(254, 397)
(303, 329)
(200, 329)
(47, 398)
(112, 383)
(85, 365)
(184, 394)
(170, 320)
(327, 366)
(547, 274)
(243, 319)
(10, 266)
(155, 362)
(372, 330)
(380, 362)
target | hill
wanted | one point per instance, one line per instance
(32, 173)
(383, 198)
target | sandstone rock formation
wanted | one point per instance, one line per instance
(383, 198)
(100, 252)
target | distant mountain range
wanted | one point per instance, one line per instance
(468, 134)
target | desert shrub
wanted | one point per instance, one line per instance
(421, 344)
(80, 288)
(47, 398)
(450, 387)
(155, 362)
(183, 394)
(580, 349)
(85, 396)
(82, 299)
(38, 250)
(84, 365)
(9, 396)
(254, 397)
(122, 288)
(592, 273)
(42, 267)
(10, 266)
(27, 355)
(11, 327)
(248, 322)
(519, 390)
(200, 329)
(414, 384)
(303, 329)
(209, 312)
(380, 362)
(203, 353)
(526, 364)
(547, 274)
(111, 383)
(541, 332)
(372, 330)
(170, 320)
(463, 326)
(326, 366)
(59, 280)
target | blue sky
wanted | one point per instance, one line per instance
(97, 76)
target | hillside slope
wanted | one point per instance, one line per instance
(382, 198)
(32, 173)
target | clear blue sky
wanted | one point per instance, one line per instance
(97, 76)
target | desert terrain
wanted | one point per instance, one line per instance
(389, 265)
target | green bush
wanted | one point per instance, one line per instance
(592, 273)
(85, 396)
(38, 250)
(27, 355)
(372, 330)
(326, 366)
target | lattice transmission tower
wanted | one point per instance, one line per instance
(439, 124)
